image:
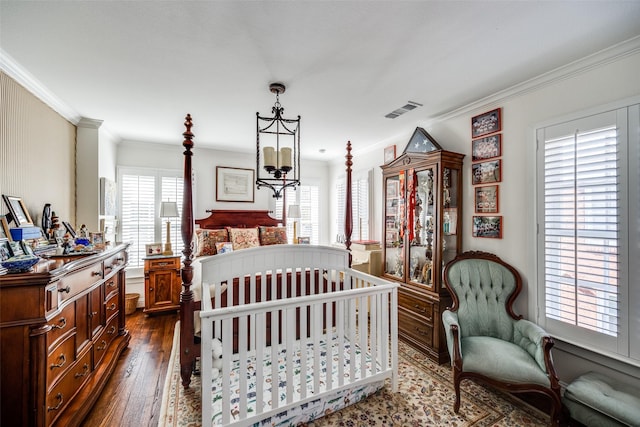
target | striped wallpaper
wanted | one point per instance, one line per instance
(37, 153)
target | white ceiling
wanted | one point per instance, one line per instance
(140, 66)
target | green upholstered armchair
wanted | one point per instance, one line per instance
(487, 341)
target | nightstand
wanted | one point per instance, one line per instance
(161, 283)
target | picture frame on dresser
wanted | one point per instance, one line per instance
(18, 212)
(4, 228)
(153, 249)
(5, 250)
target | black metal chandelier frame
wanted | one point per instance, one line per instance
(278, 177)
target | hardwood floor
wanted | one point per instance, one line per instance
(133, 395)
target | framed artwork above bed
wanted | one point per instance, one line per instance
(234, 184)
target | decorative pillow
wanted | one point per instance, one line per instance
(206, 240)
(243, 238)
(273, 236)
(224, 247)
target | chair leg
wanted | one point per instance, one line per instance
(456, 387)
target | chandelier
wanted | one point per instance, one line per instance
(279, 166)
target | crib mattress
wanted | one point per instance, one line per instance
(311, 409)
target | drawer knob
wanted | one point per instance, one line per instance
(108, 267)
(162, 264)
(102, 346)
(93, 313)
(85, 371)
(61, 324)
(112, 306)
(63, 360)
(421, 308)
(96, 273)
(111, 330)
(66, 289)
(60, 398)
(111, 284)
(119, 259)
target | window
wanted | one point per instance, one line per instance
(308, 197)
(141, 191)
(360, 208)
(588, 186)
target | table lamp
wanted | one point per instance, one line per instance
(168, 210)
(294, 213)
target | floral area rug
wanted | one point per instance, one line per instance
(425, 398)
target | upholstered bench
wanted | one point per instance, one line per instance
(594, 399)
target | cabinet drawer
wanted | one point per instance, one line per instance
(61, 324)
(415, 328)
(64, 390)
(418, 305)
(101, 343)
(77, 282)
(60, 359)
(112, 305)
(114, 262)
(163, 263)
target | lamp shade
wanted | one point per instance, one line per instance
(294, 212)
(168, 210)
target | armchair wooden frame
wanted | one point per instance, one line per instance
(553, 392)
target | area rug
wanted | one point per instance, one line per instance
(425, 398)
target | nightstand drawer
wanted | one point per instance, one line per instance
(162, 263)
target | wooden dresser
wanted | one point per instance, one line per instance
(62, 328)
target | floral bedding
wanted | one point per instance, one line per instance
(309, 410)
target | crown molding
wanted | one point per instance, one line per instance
(14, 70)
(89, 123)
(603, 57)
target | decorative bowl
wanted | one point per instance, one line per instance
(20, 264)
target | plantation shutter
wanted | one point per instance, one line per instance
(360, 209)
(308, 197)
(582, 224)
(172, 191)
(138, 214)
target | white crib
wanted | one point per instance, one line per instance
(304, 336)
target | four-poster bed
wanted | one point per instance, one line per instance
(295, 316)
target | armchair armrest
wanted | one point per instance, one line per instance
(530, 337)
(452, 333)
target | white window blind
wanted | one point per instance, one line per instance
(141, 192)
(587, 207)
(308, 198)
(582, 217)
(360, 208)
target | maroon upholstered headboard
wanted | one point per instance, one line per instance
(220, 218)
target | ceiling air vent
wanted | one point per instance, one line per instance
(410, 105)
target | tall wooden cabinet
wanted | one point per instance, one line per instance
(62, 328)
(422, 232)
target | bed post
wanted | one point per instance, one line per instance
(348, 216)
(187, 345)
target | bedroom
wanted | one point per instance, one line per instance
(600, 80)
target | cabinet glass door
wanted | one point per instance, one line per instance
(394, 213)
(450, 220)
(422, 202)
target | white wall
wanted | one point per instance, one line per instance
(524, 108)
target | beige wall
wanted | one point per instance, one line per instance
(37, 153)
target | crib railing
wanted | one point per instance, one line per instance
(338, 326)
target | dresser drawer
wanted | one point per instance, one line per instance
(162, 263)
(414, 328)
(60, 359)
(61, 324)
(111, 285)
(114, 262)
(416, 303)
(64, 390)
(101, 343)
(79, 281)
(112, 306)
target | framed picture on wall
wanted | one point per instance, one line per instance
(486, 148)
(486, 123)
(389, 153)
(486, 172)
(487, 226)
(486, 199)
(234, 184)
